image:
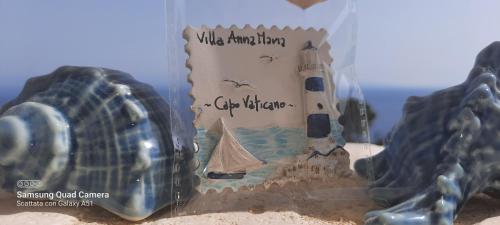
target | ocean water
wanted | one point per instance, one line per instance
(8, 93)
(388, 102)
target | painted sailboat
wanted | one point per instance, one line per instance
(230, 160)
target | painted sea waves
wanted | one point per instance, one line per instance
(270, 145)
(276, 146)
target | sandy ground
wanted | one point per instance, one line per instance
(342, 202)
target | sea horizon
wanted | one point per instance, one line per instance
(387, 102)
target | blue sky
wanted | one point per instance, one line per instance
(423, 43)
(38, 36)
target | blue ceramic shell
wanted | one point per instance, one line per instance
(445, 149)
(97, 131)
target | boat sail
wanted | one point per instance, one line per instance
(230, 160)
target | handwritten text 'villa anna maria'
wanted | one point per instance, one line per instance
(260, 38)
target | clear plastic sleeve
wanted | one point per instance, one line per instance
(240, 165)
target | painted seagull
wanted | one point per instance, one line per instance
(238, 84)
(268, 59)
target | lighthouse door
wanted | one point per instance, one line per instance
(318, 125)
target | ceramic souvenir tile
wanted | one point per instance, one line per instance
(262, 97)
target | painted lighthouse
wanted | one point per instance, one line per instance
(317, 108)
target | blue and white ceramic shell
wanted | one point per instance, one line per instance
(96, 130)
(445, 149)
